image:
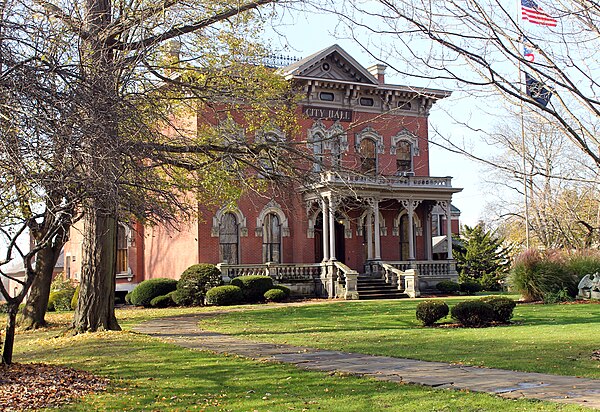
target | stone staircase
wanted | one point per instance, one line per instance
(375, 288)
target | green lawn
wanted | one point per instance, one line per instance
(556, 339)
(149, 375)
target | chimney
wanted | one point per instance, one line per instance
(378, 70)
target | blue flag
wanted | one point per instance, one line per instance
(537, 91)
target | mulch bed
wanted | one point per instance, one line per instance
(35, 385)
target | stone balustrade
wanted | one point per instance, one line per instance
(393, 181)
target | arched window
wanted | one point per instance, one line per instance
(404, 157)
(318, 152)
(271, 238)
(368, 157)
(229, 239)
(122, 265)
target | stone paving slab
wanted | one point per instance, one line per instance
(184, 331)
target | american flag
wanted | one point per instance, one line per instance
(534, 14)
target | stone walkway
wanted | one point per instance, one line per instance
(184, 331)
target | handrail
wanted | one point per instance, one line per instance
(347, 277)
(405, 280)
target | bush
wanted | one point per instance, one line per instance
(164, 301)
(285, 290)
(151, 288)
(275, 295)
(557, 297)
(75, 298)
(128, 298)
(253, 287)
(195, 282)
(469, 287)
(492, 281)
(430, 311)
(535, 275)
(473, 313)
(448, 287)
(582, 263)
(60, 300)
(224, 295)
(502, 306)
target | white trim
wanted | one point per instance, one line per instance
(272, 207)
(241, 219)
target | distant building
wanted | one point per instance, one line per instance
(375, 212)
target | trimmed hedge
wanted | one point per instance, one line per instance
(448, 287)
(253, 287)
(430, 311)
(147, 290)
(473, 313)
(164, 301)
(128, 298)
(502, 306)
(224, 295)
(469, 287)
(275, 295)
(194, 282)
(75, 298)
(285, 290)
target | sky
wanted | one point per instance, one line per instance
(302, 34)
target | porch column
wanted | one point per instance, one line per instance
(325, 213)
(410, 206)
(332, 207)
(377, 230)
(449, 228)
(369, 229)
(428, 239)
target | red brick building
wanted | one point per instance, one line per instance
(376, 210)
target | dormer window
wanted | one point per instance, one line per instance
(366, 101)
(326, 96)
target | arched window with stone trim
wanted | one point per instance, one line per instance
(368, 157)
(229, 246)
(404, 157)
(271, 238)
(122, 261)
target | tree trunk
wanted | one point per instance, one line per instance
(34, 312)
(9, 340)
(96, 305)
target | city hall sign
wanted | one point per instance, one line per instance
(327, 113)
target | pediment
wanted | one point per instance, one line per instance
(332, 63)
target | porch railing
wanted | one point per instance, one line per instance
(418, 181)
(427, 268)
(347, 280)
(278, 271)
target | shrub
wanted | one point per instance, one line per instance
(128, 298)
(224, 295)
(275, 295)
(502, 306)
(448, 287)
(75, 298)
(557, 297)
(195, 282)
(253, 287)
(492, 281)
(473, 313)
(285, 290)
(535, 275)
(582, 263)
(60, 300)
(162, 301)
(151, 288)
(430, 311)
(469, 287)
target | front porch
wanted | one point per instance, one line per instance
(334, 279)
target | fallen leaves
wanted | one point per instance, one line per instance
(35, 385)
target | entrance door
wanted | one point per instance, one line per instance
(340, 239)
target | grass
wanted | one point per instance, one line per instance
(149, 375)
(557, 339)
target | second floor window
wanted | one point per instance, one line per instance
(122, 250)
(404, 157)
(368, 157)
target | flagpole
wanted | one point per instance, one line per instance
(523, 146)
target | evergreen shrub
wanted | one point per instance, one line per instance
(128, 298)
(502, 306)
(163, 301)
(448, 287)
(60, 300)
(224, 295)
(75, 298)
(195, 281)
(285, 290)
(253, 286)
(469, 287)
(473, 313)
(147, 290)
(275, 295)
(430, 311)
